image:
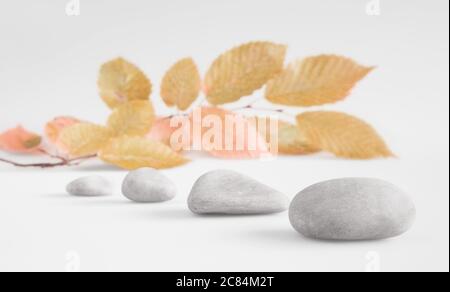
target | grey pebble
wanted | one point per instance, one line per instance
(229, 192)
(352, 209)
(90, 186)
(147, 185)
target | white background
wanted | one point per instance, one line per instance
(48, 67)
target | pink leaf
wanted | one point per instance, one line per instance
(161, 131)
(55, 127)
(19, 140)
(246, 143)
(53, 130)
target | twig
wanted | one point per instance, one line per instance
(252, 107)
(40, 165)
(79, 160)
(45, 152)
(62, 162)
(175, 115)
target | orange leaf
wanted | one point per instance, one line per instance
(19, 140)
(54, 128)
(161, 131)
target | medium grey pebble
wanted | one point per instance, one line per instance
(90, 186)
(352, 209)
(229, 192)
(147, 185)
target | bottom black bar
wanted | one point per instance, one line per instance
(224, 281)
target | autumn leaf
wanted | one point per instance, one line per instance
(225, 134)
(181, 84)
(54, 128)
(243, 70)
(342, 134)
(133, 118)
(162, 131)
(83, 139)
(291, 141)
(121, 81)
(137, 152)
(20, 140)
(316, 81)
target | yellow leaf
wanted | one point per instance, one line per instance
(291, 141)
(135, 152)
(83, 139)
(134, 118)
(181, 84)
(55, 127)
(343, 135)
(242, 71)
(316, 81)
(121, 81)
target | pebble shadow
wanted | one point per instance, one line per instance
(56, 196)
(283, 236)
(184, 213)
(173, 214)
(99, 201)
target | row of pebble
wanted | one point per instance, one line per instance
(341, 209)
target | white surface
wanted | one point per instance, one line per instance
(48, 67)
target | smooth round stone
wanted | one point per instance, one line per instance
(147, 185)
(229, 192)
(90, 186)
(352, 209)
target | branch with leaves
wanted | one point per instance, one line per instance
(134, 136)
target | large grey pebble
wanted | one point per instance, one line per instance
(228, 192)
(90, 186)
(147, 185)
(352, 209)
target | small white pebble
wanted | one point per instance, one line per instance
(147, 185)
(231, 193)
(90, 186)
